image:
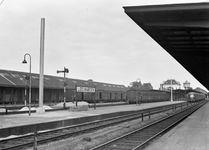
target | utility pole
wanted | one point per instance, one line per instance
(171, 91)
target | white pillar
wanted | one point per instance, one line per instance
(40, 109)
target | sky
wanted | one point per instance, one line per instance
(94, 39)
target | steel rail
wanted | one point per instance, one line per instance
(137, 139)
(43, 137)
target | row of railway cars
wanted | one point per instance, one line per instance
(195, 96)
(130, 96)
(147, 96)
(14, 88)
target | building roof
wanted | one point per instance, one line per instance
(10, 78)
(173, 82)
(182, 30)
(201, 90)
(145, 90)
(185, 91)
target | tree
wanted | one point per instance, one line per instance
(135, 85)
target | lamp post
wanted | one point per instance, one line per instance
(186, 87)
(24, 62)
(25, 82)
(94, 97)
(137, 92)
(171, 91)
(25, 93)
(64, 71)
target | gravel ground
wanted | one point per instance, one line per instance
(90, 140)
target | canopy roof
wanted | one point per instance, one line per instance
(182, 30)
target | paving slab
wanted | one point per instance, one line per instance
(191, 134)
(7, 121)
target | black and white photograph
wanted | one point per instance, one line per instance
(104, 75)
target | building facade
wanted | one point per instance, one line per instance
(14, 88)
(170, 83)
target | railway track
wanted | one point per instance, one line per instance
(137, 139)
(66, 132)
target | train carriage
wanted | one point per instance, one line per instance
(196, 96)
(146, 96)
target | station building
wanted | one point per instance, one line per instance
(14, 88)
(166, 85)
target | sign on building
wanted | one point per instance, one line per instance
(85, 89)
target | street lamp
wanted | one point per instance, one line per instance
(24, 62)
(171, 91)
(64, 71)
(186, 87)
(137, 92)
(26, 78)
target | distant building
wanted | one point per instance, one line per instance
(166, 85)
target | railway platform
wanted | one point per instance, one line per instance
(191, 134)
(18, 122)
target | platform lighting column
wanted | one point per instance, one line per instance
(25, 93)
(24, 62)
(76, 101)
(136, 96)
(171, 91)
(25, 82)
(137, 90)
(94, 97)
